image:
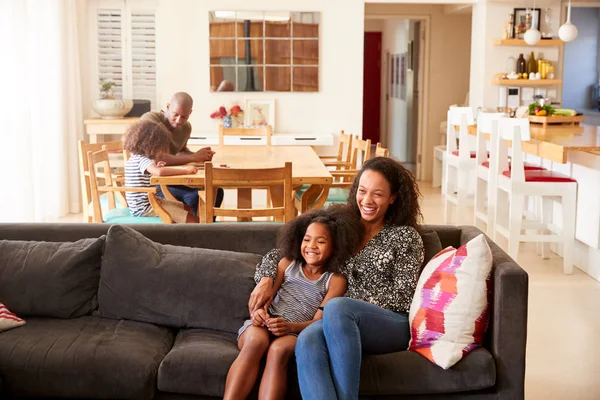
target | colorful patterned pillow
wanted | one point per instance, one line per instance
(449, 313)
(8, 320)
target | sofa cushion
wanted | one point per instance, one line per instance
(431, 243)
(198, 363)
(87, 357)
(174, 286)
(406, 372)
(47, 279)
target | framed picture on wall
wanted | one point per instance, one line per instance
(409, 62)
(402, 68)
(521, 24)
(397, 76)
(259, 113)
(393, 76)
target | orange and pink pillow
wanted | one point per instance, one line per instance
(8, 320)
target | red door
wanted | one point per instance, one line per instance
(372, 86)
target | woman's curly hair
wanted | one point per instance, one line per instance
(344, 227)
(146, 138)
(405, 211)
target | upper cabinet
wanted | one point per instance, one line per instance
(256, 51)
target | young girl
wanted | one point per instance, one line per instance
(314, 245)
(147, 141)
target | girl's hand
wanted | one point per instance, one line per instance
(278, 326)
(161, 164)
(259, 317)
(191, 169)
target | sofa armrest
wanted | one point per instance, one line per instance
(507, 330)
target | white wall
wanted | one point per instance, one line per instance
(395, 41)
(183, 64)
(581, 59)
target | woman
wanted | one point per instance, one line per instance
(382, 275)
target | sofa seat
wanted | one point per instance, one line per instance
(88, 357)
(409, 373)
(198, 362)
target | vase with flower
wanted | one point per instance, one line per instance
(227, 116)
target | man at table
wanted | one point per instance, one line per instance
(175, 122)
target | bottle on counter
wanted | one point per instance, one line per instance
(521, 65)
(532, 66)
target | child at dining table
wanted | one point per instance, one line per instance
(314, 246)
(146, 141)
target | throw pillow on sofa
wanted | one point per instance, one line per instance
(181, 287)
(50, 279)
(449, 313)
(8, 320)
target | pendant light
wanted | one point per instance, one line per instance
(532, 36)
(568, 31)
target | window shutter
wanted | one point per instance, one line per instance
(110, 48)
(143, 55)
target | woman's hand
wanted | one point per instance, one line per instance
(260, 317)
(278, 326)
(261, 296)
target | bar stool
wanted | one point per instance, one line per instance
(459, 163)
(516, 183)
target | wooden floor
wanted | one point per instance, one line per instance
(563, 350)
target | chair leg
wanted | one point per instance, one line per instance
(479, 203)
(569, 203)
(514, 224)
(491, 208)
(462, 195)
(447, 189)
(547, 207)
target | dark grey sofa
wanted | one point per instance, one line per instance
(123, 332)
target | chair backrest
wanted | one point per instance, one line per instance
(461, 117)
(84, 170)
(515, 130)
(94, 159)
(487, 124)
(360, 148)
(232, 178)
(345, 146)
(381, 151)
(265, 131)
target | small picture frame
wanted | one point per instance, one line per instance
(397, 76)
(393, 76)
(409, 62)
(259, 113)
(520, 19)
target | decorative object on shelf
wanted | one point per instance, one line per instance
(521, 65)
(511, 65)
(228, 116)
(509, 31)
(523, 21)
(549, 34)
(107, 106)
(568, 31)
(531, 65)
(260, 113)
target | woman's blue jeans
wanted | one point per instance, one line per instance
(329, 352)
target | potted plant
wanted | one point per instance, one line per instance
(106, 105)
(228, 115)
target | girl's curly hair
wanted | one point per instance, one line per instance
(344, 227)
(405, 211)
(146, 138)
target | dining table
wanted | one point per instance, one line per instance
(307, 169)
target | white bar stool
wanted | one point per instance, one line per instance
(459, 163)
(516, 183)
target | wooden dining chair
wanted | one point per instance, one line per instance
(84, 172)
(114, 214)
(279, 180)
(246, 134)
(381, 151)
(344, 155)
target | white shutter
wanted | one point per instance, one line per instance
(110, 48)
(143, 55)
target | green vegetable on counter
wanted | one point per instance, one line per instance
(534, 108)
(565, 112)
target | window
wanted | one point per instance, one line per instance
(124, 40)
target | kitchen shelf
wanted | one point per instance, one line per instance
(521, 42)
(525, 82)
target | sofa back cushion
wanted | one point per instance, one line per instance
(50, 279)
(175, 286)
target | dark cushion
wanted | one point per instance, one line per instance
(174, 286)
(87, 357)
(46, 279)
(407, 372)
(431, 243)
(198, 363)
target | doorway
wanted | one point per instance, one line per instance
(400, 87)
